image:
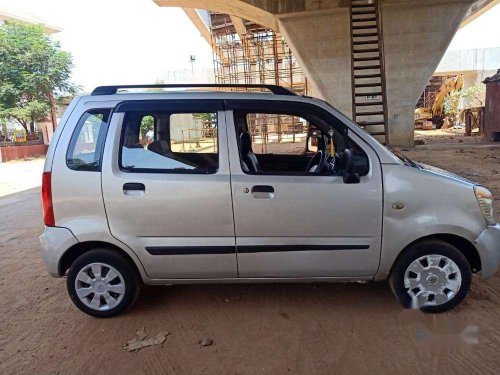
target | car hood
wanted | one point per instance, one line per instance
(442, 172)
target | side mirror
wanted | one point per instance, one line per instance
(350, 177)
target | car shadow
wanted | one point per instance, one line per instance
(344, 296)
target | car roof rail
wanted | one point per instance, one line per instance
(110, 90)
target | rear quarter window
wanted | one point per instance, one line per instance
(87, 142)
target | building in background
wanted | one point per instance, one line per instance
(7, 15)
(188, 76)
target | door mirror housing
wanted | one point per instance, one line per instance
(349, 176)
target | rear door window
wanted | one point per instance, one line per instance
(168, 142)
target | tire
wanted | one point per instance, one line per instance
(106, 281)
(449, 282)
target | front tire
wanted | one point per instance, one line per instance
(102, 283)
(432, 276)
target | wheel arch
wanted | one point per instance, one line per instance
(72, 253)
(462, 244)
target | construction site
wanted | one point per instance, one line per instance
(422, 77)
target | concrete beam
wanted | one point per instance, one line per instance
(239, 25)
(234, 7)
(478, 9)
(288, 7)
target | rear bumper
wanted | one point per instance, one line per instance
(55, 241)
(488, 247)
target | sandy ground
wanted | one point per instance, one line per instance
(257, 329)
(20, 175)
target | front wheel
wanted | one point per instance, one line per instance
(432, 276)
(102, 283)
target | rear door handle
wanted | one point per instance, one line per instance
(262, 191)
(134, 188)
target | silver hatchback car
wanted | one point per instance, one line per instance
(208, 186)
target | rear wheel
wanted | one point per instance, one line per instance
(433, 276)
(102, 283)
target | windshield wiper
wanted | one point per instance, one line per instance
(406, 160)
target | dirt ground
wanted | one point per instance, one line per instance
(256, 329)
(20, 175)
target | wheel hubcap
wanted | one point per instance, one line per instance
(100, 286)
(432, 280)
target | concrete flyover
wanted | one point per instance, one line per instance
(415, 36)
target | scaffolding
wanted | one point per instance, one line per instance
(257, 55)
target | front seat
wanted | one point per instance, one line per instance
(249, 161)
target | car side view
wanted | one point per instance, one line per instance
(205, 186)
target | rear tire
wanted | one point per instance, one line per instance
(102, 283)
(432, 276)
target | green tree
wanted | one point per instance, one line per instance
(473, 96)
(451, 103)
(456, 101)
(147, 124)
(33, 69)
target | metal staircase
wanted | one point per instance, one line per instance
(369, 103)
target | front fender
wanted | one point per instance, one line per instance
(434, 204)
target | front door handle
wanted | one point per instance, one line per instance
(134, 188)
(263, 191)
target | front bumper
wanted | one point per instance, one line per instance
(55, 241)
(488, 247)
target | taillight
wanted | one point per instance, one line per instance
(48, 211)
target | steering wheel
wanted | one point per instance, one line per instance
(315, 164)
(334, 162)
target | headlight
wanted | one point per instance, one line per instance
(485, 200)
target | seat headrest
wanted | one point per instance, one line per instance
(245, 142)
(321, 144)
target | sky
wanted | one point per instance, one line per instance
(120, 41)
(483, 32)
(137, 42)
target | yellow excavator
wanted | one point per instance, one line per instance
(435, 113)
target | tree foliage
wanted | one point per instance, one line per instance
(467, 98)
(147, 124)
(32, 69)
(474, 95)
(451, 103)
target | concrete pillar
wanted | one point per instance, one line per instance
(322, 45)
(416, 36)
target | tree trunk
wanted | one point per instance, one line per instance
(32, 127)
(25, 126)
(53, 113)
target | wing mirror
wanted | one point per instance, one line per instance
(350, 176)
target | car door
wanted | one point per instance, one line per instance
(291, 226)
(166, 187)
